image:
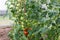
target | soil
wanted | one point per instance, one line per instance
(4, 33)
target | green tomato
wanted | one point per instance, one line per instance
(22, 18)
(17, 8)
(11, 6)
(18, 5)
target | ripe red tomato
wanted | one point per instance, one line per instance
(25, 33)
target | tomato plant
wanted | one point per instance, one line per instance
(36, 19)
